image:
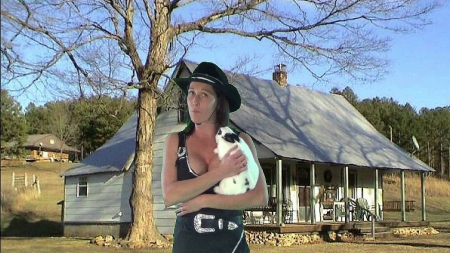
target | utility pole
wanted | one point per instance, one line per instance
(390, 132)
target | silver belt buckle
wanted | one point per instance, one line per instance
(198, 223)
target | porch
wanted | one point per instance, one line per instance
(323, 227)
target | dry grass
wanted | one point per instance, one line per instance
(24, 208)
(31, 222)
(434, 187)
(437, 196)
(430, 244)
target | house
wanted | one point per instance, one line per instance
(315, 150)
(48, 148)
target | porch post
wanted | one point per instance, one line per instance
(346, 193)
(279, 191)
(377, 210)
(312, 183)
(402, 173)
(422, 185)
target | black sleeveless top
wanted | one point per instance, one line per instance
(187, 239)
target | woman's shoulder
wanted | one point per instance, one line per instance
(172, 139)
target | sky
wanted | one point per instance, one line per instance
(419, 70)
(419, 73)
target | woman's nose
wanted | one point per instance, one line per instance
(197, 100)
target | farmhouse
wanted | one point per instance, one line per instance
(323, 161)
(48, 148)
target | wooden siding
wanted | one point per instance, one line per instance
(167, 122)
(46, 156)
(108, 195)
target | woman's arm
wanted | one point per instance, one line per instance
(255, 197)
(175, 191)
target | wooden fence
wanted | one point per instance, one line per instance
(19, 181)
(396, 205)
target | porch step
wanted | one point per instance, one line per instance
(365, 229)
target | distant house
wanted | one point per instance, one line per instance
(314, 148)
(47, 148)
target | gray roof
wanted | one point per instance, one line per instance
(114, 156)
(298, 123)
(292, 122)
(47, 142)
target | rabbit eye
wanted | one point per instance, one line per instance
(220, 132)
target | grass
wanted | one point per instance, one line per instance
(429, 244)
(437, 196)
(31, 222)
(24, 211)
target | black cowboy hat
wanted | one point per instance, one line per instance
(210, 73)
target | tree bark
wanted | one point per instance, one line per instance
(143, 229)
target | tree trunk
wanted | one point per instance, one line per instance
(143, 231)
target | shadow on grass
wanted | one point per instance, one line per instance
(20, 226)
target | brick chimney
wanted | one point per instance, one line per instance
(280, 75)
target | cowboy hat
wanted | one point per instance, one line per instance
(210, 73)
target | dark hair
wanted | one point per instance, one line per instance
(222, 113)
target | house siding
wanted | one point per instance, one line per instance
(108, 197)
(167, 122)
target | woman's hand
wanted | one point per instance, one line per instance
(233, 163)
(191, 206)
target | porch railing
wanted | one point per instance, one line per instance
(363, 211)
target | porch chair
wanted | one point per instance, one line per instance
(361, 209)
(288, 212)
(339, 210)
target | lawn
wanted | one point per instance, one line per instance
(31, 222)
(429, 244)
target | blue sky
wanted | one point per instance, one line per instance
(420, 67)
(419, 73)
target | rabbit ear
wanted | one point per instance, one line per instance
(231, 137)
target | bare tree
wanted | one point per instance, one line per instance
(63, 125)
(109, 44)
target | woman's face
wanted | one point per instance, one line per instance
(202, 103)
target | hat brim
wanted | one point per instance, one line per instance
(231, 93)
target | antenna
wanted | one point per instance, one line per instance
(416, 144)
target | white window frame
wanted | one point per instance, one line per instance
(82, 183)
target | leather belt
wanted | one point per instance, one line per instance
(208, 223)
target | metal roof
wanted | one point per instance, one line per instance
(307, 125)
(113, 156)
(293, 122)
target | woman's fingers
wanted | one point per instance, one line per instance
(180, 210)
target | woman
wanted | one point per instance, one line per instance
(207, 222)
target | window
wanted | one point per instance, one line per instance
(82, 187)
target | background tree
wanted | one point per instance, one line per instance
(85, 124)
(347, 93)
(62, 125)
(99, 119)
(108, 44)
(13, 127)
(37, 118)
